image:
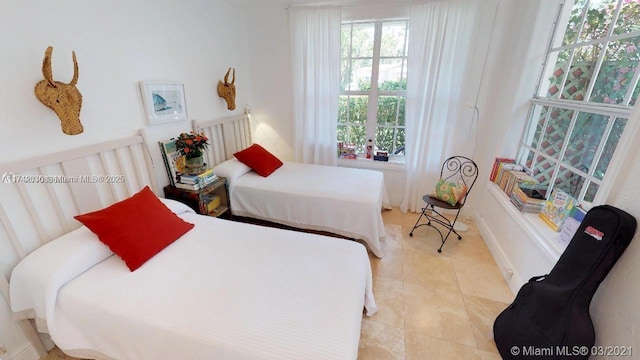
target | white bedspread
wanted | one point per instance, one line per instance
(224, 290)
(343, 201)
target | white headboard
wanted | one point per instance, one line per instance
(226, 136)
(40, 196)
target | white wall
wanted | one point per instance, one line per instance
(118, 43)
(514, 61)
(270, 72)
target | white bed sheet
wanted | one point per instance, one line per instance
(343, 201)
(224, 290)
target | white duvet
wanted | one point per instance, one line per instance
(343, 201)
(224, 290)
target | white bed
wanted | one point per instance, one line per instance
(223, 290)
(343, 201)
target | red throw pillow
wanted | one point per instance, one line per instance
(136, 228)
(259, 159)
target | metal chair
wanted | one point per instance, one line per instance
(454, 169)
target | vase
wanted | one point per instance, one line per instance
(195, 165)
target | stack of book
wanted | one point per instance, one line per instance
(196, 182)
(517, 179)
(497, 167)
(528, 200)
(381, 156)
(346, 151)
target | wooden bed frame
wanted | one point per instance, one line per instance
(226, 136)
(40, 196)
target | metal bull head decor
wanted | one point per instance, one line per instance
(64, 99)
(227, 90)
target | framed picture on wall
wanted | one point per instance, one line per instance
(164, 101)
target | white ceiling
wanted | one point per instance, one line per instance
(255, 3)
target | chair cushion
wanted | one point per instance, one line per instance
(449, 192)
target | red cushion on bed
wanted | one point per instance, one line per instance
(136, 228)
(259, 159)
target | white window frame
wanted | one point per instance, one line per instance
(374, 93)
(630, 132)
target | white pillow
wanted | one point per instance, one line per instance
(36, 279)
(176, 206)
(231, 169)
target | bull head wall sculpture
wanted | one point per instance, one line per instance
(227, 90)
(64, 99)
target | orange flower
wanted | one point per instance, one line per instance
(186, 150)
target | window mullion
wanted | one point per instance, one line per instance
(632, 87)
(596, 108)
(372, 111)
(583, 20)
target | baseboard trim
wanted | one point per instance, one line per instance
(509, 272)
(26, 353)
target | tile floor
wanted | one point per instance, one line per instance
(432, 306)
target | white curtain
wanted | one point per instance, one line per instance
(315, 62)
(438, 61)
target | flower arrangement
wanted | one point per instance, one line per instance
(191, 144)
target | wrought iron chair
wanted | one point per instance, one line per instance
(455, 169)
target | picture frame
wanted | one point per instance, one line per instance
(164, 101)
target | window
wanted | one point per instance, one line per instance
(584, 96)
(373, 85)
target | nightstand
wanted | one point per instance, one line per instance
(212, 200)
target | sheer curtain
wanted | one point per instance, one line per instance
(315, 62)
(438, 63)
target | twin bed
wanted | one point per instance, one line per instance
(223, 290)
(342, 201)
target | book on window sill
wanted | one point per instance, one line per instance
(503, 174)
(556, 209)
(497, 164)
(571, 224)
(532, 203)
(519, 179)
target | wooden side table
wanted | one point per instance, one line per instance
(212, 200)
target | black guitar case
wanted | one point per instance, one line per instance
(549, 318)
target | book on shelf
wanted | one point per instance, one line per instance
(519, 179)
(203, 178)
(194, 187)
(503, 173)
(498, 164)
(196, 182)
(571, 224)
(556, 209)
(528, 200)
(174, 162)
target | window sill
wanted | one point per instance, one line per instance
(396, 164)
(547, 239)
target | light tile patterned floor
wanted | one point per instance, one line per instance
(432, 306)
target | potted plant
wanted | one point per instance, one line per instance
(192, 146)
